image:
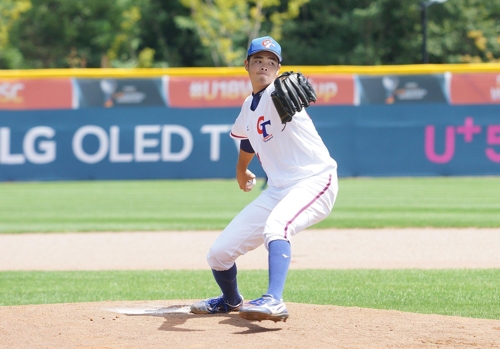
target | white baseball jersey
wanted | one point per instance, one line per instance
(302, 180)
(287, 153)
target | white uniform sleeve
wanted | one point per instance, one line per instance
(239, 131)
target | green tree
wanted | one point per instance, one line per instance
(225, 27)
(471, 32)
(158, 33)
(10, 12)
(173, 46)
(366, 32)
(363, 32)
(68, 33)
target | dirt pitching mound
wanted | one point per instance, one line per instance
(167, 324)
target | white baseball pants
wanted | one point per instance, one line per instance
(277, 214)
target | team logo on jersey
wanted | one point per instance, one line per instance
(261, 129)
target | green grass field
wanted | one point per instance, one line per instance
(468, 293)
(211, 204)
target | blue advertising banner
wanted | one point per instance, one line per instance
(109, 92)
(402, 89)
(120, 143)
(417, 140)
(160, 142)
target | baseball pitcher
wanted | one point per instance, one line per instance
(302, 183)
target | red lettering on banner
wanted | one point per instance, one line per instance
(187, 92)
(475, 89)
(333, 89)
(24, 94)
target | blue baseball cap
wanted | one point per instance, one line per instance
(265, 43)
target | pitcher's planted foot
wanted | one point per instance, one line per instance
(215, 305)
(264, 308)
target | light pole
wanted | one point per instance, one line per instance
(423, 7)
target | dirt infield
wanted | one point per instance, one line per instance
(167, 324)
(91, 325)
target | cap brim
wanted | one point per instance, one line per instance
(273, 52)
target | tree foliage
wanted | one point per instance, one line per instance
(472, 31)
(10, 12)
(63, 33)
(368, 32)
(226, 27)
(174, 45)
(158, 33)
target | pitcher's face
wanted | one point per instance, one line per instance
(263, 68)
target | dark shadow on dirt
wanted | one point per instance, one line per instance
(178, 315)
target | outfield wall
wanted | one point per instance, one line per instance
(421, 120)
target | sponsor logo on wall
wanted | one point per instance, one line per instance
(92, 144)
(333, 89)
(212, 92)
(109, 93)
(475, 89)
(402, 89)
(206, 92)
(216, 92)
(23, 94)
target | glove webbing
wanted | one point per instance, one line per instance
(292, 93)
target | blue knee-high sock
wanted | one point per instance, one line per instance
(279, 262)
(226, 279)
